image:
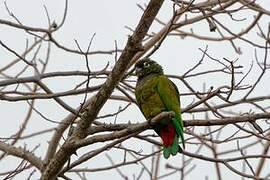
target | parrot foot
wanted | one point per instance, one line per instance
(171, 116)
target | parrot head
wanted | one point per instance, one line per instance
(146, 67)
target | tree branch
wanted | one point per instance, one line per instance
(90, 113)
(21, 153)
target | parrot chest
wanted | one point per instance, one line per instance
(149, 98)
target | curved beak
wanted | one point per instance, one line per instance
(137, 70)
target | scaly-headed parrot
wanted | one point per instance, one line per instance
(155, 93)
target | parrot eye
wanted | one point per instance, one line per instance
(146, 64)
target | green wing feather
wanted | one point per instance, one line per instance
(166, 152)
(170, 96)
(175, 147)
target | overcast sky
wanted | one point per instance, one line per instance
(108, 20)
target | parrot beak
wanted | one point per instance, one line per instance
(138, 70)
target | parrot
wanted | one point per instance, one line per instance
(155, 93)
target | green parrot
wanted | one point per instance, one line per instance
(155, 93)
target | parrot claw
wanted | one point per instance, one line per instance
(171, 115)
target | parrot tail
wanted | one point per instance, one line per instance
(179, 127)
(170, 141)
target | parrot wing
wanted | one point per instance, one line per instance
(170, 96)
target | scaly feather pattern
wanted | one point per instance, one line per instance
(156, 93)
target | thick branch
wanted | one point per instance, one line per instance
(124, 129)
(132, 47)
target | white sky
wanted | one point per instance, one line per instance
(108, 20)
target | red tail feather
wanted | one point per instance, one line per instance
(167, 135)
